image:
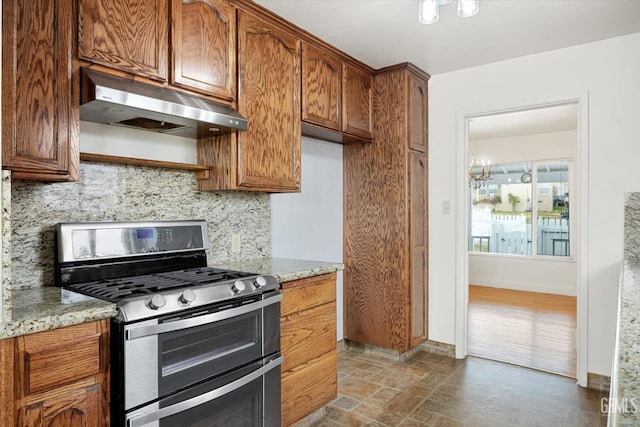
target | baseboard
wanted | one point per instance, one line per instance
(448, 350)
(527, 287)
(440, 348)
(598, 382)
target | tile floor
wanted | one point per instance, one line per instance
(433, 390)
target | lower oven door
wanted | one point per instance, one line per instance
(248, 396)
(172, 353)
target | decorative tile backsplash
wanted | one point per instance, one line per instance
(108, 192)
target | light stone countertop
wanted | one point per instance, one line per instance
(624, 398)
(283, 269)
(47, 307)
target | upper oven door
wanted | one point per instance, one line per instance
(180, 350)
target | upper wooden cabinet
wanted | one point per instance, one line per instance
(203, 46)
(269, 95)
(267, 156)
(336, 96)
(125, 35)
(40, 113)
(321, 88)
(357, 95)
(418, 104)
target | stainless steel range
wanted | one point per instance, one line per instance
(191, 345)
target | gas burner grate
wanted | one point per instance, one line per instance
(114, 290)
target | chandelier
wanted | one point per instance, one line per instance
(429, 12)
(479, 172)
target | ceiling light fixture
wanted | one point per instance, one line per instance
(479, 171)
(429, 10)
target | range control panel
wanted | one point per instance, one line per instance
(104, 240)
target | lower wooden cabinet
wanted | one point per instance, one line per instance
(60, 377)
(308, 340)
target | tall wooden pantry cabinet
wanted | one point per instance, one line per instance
(385, 203)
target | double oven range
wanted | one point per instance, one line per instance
(191, 345)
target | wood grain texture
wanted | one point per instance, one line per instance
(418, 219)
(523, 328)
(125, 35)
(40, 112)
(49, 366)
(384, 295)
(309, 388)
(321, 87)
(76, 409)
(357, 97)
(418, 119)
(203, 38)
(62, 376)
(102, 158)
(299, 295)
(7, 400)
(269, 96)
(308, 337)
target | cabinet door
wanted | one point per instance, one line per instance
(418, 114)
(321, 87)
(80, 408)
(40, 115)
(7, 397)
(125, 35)
(357, 97)
(269, 96)
(309, 388)
(418, 238)
(203, 35)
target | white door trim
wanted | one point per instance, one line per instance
(581, 199)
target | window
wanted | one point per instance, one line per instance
(524, 211)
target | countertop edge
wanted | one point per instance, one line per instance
(29, 318)
(624, 393)
(283, 269)
(16, 328)
(304, 274)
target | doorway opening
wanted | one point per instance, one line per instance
(522, 237)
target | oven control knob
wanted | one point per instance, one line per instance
(260, 282)
(187, 297)
(237, 287)
(157, 301)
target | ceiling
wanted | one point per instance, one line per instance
(541, 120)
(387, 32)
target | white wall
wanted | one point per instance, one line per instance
(539, 146)
(549, 276)
(308, 225)
(557, 276)
(114, 140)
(608, 71)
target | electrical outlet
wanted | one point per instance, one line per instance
(235, 243)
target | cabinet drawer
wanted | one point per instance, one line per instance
(299, 295)
(307, 335)
(310, 388)
(59, 357)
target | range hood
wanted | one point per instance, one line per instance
(123, 102)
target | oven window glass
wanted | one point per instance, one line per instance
(190, 355)
(239, 408)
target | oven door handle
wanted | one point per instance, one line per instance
(143, 331)
(138, 420)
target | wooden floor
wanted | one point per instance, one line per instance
(524, 328)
